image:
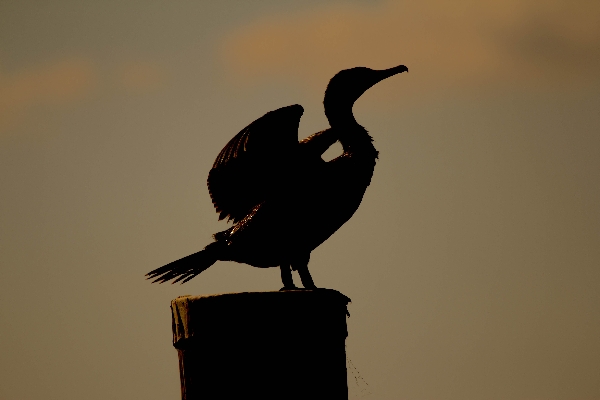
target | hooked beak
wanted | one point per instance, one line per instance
(386, 73)
(380, 74)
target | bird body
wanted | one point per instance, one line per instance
(282, 197)
(306, 210)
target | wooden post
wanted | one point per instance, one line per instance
(262, 345)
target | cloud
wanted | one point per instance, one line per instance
(562, 38)
(445, 44)
(54, 84)
(69, 81)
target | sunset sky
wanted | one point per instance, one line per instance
(473, 263)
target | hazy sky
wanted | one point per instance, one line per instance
(473, 262)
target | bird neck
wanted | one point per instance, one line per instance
(339, 113)
(354, 138)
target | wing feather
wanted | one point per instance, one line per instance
(254, 163)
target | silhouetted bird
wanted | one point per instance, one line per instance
(283, 198)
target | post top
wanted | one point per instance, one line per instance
(304, 294)
(219, 314)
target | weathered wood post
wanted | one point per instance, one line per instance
(263, 345)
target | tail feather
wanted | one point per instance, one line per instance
(186, 268)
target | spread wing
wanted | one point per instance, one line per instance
(256, 162)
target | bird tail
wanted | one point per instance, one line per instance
(188, 267)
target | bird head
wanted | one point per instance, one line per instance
(349, 84)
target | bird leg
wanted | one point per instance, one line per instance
(307, 280)
(286, 277)
(300, 264)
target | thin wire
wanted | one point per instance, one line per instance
(361, 384)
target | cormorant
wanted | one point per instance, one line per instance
(282, 197)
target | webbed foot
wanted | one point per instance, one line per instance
(286, 288)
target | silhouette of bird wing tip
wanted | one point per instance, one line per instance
(298, 107)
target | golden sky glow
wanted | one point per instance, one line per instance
(54, 84)
(448, 44)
